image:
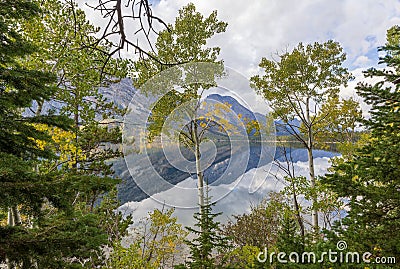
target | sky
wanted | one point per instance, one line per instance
(263, 28)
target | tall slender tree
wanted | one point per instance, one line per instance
(297, 85)
(185, 42)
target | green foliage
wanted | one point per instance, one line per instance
(182, 42)
(337, 122)
(20, 86)
(289, 239)
(249, 234)
(126, 258)
(208, 246)
(300, 86)
(370, 179)
(271, 227)
(112, 222)
(327, 202)
(308, 73)
(156, 243)
(81, 71)
(42, 59)
(23, 188)
(15, 45)
(53, 241)
(260, 227)
(304, 84)
(67, 45)
(85, 152)
(243, 257)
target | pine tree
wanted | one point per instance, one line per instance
(49, 225)
(370, 180)
(289, 240)
(81, 71)
(209, 239)
(22, 188)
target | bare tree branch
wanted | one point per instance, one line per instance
(141, 16)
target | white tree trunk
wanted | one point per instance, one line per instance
(12, 220)
(310, 147)
(314, 212)
(199, 172)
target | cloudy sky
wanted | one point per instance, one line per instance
(262, 28)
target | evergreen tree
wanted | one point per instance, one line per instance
(49, 225)
(289, 240)
(81, 71)
(209, 240)
(22, 188)
(370, 180)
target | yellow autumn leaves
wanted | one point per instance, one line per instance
(218, 113)
(63, 143)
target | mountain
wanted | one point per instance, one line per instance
(283, 128)
(120, 93)
(235, 106)
(219, 172)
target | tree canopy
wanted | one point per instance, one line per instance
(370, 179)
(297, 86)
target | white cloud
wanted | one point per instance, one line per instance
(363, 61)
(238, 201)
(262, 28)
